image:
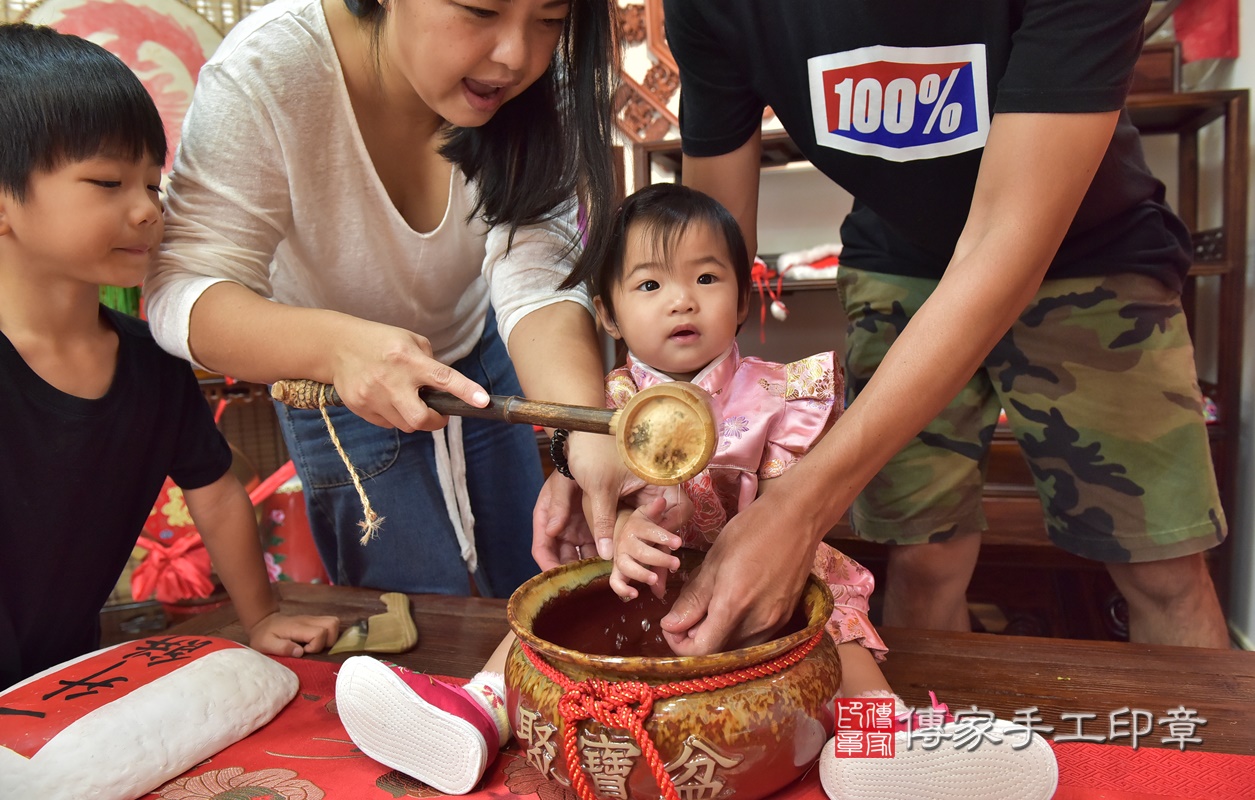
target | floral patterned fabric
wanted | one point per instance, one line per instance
(768, 415)
(304, 753)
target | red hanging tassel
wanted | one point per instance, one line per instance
(762, 276)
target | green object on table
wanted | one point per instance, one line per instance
(124, 299)
(390, 632)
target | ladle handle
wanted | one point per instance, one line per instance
(305, 394)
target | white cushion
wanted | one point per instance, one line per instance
(151, 730)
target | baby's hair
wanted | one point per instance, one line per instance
(552, 142)
(65, 99)
(666, 210)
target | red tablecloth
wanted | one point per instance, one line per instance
(304, 754)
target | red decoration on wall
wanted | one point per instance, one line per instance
(164, 42)
(1207, 29)
(176, 566)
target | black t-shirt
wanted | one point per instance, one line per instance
(77, 481)
(892, 100)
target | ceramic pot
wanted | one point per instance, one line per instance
(749, 739)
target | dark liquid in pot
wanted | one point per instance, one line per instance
(593, 620)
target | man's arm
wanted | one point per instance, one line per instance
(732, 179)
(1034, 172)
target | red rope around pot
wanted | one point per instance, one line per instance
(627, 704)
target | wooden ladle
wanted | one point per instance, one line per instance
(665, 433)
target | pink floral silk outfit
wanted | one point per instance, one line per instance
(769, 415)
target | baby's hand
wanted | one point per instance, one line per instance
(283, 635)
(642, 550)
(678, 509)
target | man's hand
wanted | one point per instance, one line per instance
(748, 584)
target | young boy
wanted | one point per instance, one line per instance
(93, 415)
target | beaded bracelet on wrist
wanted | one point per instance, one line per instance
(557, 452)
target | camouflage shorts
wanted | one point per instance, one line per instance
(1098, 381)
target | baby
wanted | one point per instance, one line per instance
(674, 285)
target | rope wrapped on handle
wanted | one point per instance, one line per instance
(305, 394)
(309, 395)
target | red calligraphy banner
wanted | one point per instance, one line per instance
(304, 752)
(32, 714)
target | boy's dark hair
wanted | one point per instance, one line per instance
(666, 210)
(65, 99)
(553, 141)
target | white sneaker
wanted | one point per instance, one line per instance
(989, 772)
(425, 728)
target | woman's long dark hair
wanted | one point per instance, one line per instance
(554, 140)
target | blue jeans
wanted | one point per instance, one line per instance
(416, 549)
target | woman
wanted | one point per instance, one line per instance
(382, 195)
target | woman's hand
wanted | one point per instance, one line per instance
(599, 470)
(559, 533)
(378, 370)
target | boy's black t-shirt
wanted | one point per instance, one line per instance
(893, 100)
(77, 481)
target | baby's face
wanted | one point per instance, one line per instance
(677, 312)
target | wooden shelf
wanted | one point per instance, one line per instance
(1175, 112)
(819, 284)
(778, 149)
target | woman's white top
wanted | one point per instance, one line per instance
(273, 188)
